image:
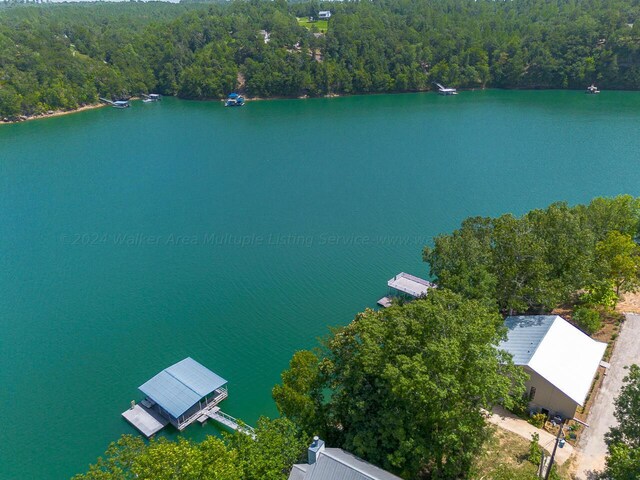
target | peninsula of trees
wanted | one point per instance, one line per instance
(60, 57)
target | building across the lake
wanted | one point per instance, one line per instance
(407, 286)
(560, 360)
(180, 394)
(324, 14)
(336, 464)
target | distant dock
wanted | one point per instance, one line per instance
(117, 103)
(407, 286)
(442, 90)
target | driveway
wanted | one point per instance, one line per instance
(515, 424)
(591, 449)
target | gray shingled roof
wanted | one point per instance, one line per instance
(525, 335)
(336, 464)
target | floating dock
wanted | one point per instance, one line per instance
(147, 421)
(413, 286)
(384, 302)
(117, 103)
(404, 284)
(442, 90)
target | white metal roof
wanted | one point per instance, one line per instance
(556, 350)
(414, 286)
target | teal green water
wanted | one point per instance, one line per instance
(133, 238)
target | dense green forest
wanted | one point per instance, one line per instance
(541, 260)
(56, 56)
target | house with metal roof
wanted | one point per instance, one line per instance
(336, 464)
(560, 360)
(180, 394)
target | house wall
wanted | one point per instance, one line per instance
(549, 397)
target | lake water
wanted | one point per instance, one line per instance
(131, 239)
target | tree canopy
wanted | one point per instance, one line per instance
(537, 261)
(56, 56)
(404, 387)
(277, 446)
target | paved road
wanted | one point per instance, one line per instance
(592, 450)
(515, 424)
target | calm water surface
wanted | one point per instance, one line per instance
(130, 239)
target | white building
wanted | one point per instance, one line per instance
(324, 14)
(336, 464)
(561, 361)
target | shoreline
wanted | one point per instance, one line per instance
(55, 113)
(59, 113)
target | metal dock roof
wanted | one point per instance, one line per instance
(181, 386)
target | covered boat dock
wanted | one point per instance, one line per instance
(179, 395)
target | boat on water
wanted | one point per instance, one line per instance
(152, 97)
(234, 100)
(592, 90)
(442, 90)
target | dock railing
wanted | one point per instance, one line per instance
(221, 394)
(227, 420)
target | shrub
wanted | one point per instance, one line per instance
(587, 319)
(538, 420)
(535, 451)
(520, 405)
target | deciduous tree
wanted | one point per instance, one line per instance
(404, 387)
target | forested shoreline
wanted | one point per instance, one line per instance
(63, 56)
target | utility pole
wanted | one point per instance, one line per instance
(553, 454)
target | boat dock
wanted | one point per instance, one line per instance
(117, 103)
(180, 395)
(405, 285)
(442, 90)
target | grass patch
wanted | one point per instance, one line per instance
(320, 26)
(503, 452)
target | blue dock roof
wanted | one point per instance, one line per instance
(181, 386)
